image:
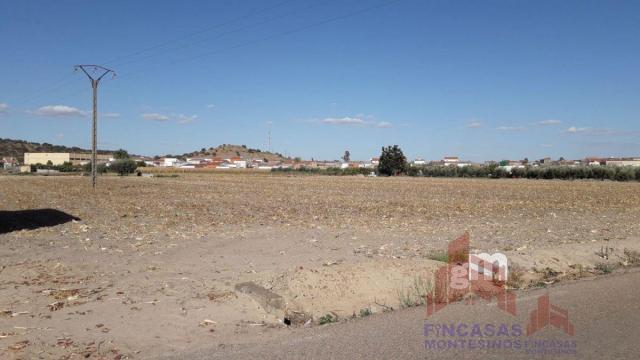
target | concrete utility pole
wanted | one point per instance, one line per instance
(269, 141)
(94, 137)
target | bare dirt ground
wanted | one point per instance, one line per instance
(155, 266)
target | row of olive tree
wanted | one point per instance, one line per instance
(335, 171)
(531, 172)
(393, 162)
(619, 173)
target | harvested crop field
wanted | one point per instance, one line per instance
(150, 265)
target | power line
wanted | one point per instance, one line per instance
(283, 33)
(66, 82)
(218, 36)
(68, 79)
(302, 28)
(58, 84)
(116, 61)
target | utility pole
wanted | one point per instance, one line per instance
(269, 143)
(94, 133)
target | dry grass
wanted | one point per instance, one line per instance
(517, 208)
(165, 246)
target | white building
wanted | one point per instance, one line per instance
(198, 161)
(240, 164)
(169, 162)
(419, 162)
(450, 160)
(623, 162)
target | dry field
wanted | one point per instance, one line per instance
(150, 266)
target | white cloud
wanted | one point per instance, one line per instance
(575, 130)
(511, 128)
(596, 131)
(155, 117)
(584, 130)
(4, 107)
(356, 120)
(210, 106)
(343, 121)
(59, 111)
(185, 119)
(109, 115)
(474, 124)
(549, 122)
(546, 145)
(590, 131)
(179, 118)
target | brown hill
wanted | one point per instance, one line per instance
(226, 151)
(17, 148)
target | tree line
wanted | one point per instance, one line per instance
(122, 165)
(394, 163)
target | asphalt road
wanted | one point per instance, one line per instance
(604, 313)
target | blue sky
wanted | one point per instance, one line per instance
(477, 79)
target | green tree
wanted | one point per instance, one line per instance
(120, 154)
(65, 167)
(347, 156)
(392, 161)
(123, 166)
(100, 169)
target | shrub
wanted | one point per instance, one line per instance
(533, 173)
(101, 169)
(120, 154)
(65, 167)
(356, 171)
(123, 167)
(501, 173)
(518, 172)
(414, 171)
(327, 319)
(603, 173)
(625, 173)
(439, 256)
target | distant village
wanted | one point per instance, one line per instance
(262, 163)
